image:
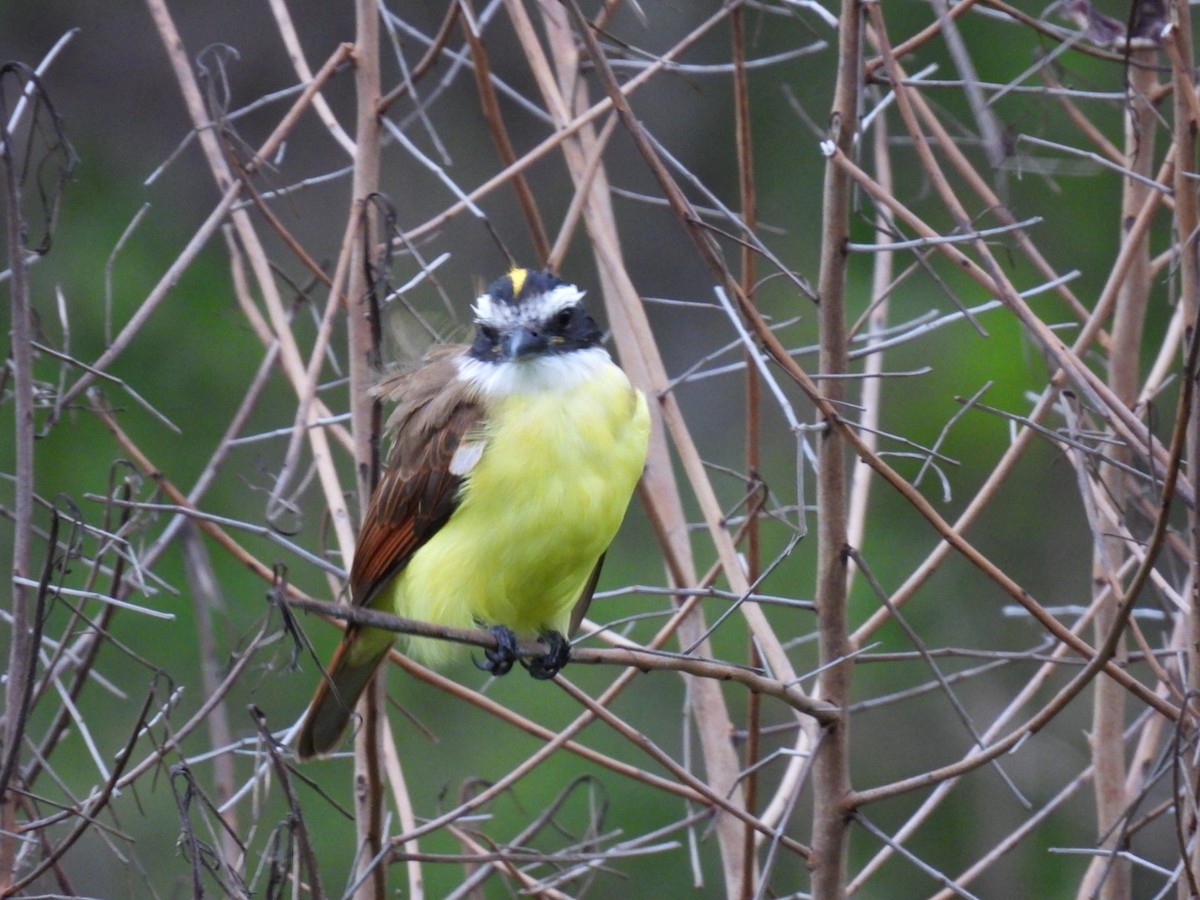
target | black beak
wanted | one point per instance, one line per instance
(524, 342)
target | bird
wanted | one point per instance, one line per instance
(512, 462)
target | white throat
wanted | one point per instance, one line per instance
(552, 372)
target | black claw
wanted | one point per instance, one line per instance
(546, 667)
(500, 659)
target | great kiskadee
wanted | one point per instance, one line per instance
(512, 461)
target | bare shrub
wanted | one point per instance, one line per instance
(907, 602)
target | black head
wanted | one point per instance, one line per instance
(529, 313)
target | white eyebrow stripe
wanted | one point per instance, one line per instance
(530, 311)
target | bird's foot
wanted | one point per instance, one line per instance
(500, 658)
(546, 667)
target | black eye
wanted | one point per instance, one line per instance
(489, 333)
(564, 317)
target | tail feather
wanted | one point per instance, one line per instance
(333, 703)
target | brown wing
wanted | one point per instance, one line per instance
(417, 494)
(418, 491)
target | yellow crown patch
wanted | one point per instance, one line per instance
(517, 277)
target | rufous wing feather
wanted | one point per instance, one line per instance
(415, 497)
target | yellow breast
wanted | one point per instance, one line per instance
(536, 512)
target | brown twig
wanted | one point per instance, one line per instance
(25, 602)
(644, 660)
(753, 440)
(831, 765)
(499, 132)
